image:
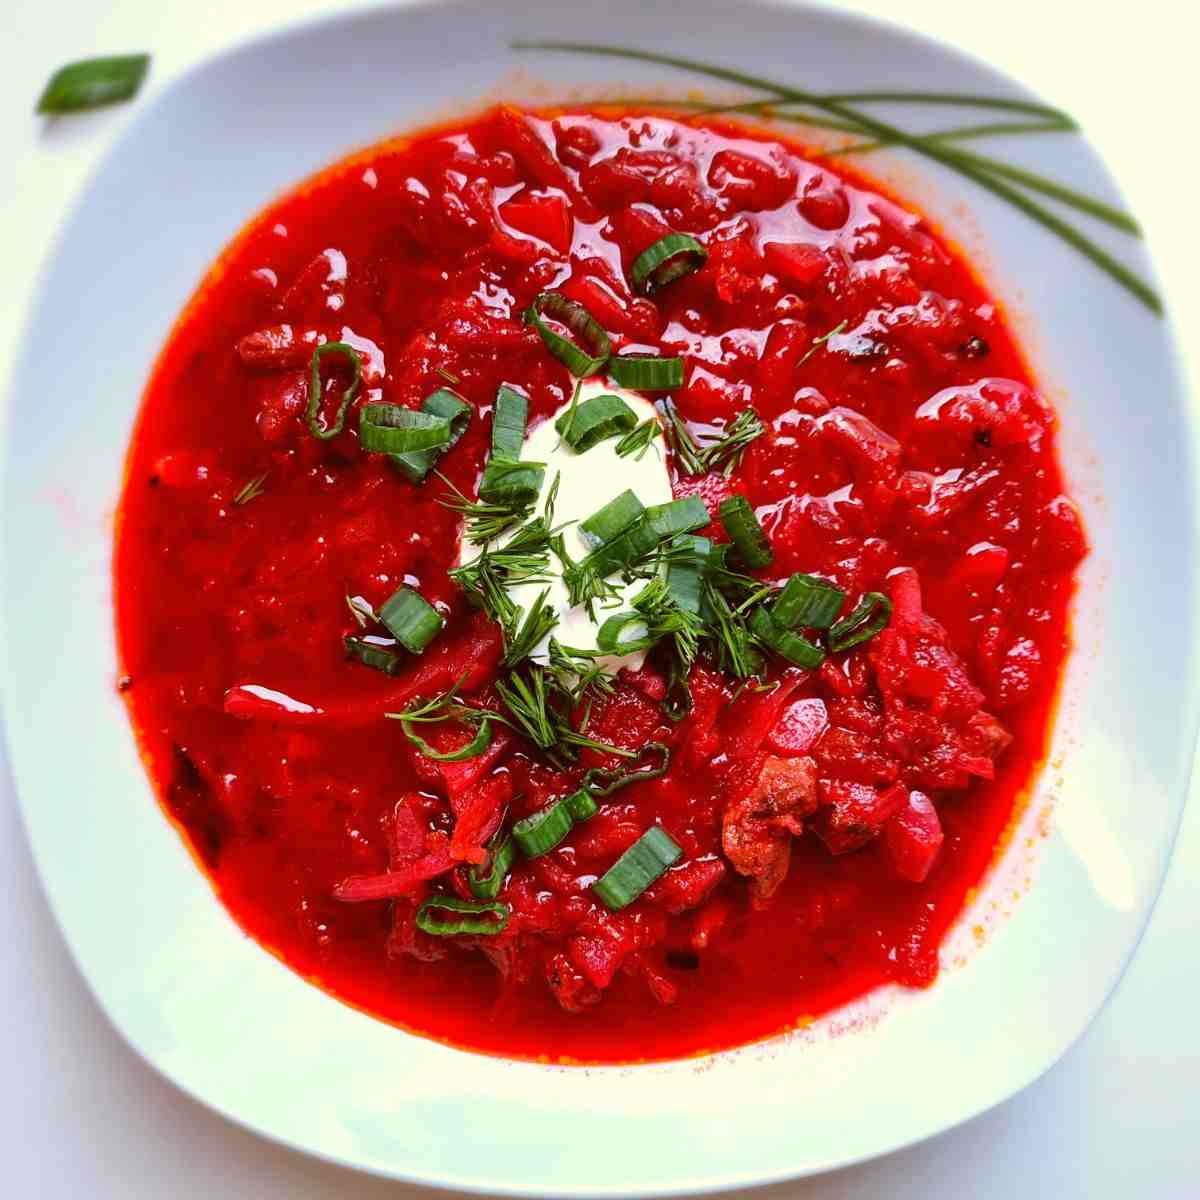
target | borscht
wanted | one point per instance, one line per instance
(591, 585)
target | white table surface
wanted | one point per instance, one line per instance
(81, 1116)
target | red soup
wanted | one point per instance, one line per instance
(764, 731)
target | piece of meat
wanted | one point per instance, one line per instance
(852, 814)
(756, 830)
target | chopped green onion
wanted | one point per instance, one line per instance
(315, 393)
(608, 636)
(93, 82)
(646, 372)
(540, 833)
(639, 440)
(582, 805)
(471, 749)
(614, 518)
(792, 646)
(502, 852)
(636, 869)
(807, 602)
(580, 322)
(475, 916)
(745, 532)
(374, 652)
(509, 419)
(670, 258)
(603, 781)
(411, 619)
(594, 420)
(251, 489)
(677, 516)
(512, 483)
(360, 610)
(453, 409)
(685, 574)
(870, 615)
(390, 429)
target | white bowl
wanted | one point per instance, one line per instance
(235, 1028)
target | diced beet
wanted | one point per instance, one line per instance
(913, 836)
(796, 732)
(542, 215)
(798, 264)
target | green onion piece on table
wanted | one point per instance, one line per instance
(93, 82)
(646, 372)
(745, 532)
(594, 347)
(644, 862)
(589, 423)
(670, 258)
(411, 619)
(468, 916)
(315, 392)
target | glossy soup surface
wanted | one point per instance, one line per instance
(908, 453)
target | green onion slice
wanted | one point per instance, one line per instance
(870, 615)
(502, 853)
(636, 869)
(453, 409)
(596, 347)
(670, 258)
(473, 916)
(374, 652)
(390, 429)
(411, 619)
(807, 602)
(745, 532)
(312, 413)
(540, 833)
(685, 574)
(589, 423)
(509, 419)
(93, 82)
(613, 519)
(608, 636)
(603, 781)
(647, 372)
(511, 483)
(792, 646)
(581, 805)
(677, 516)
(473, 749)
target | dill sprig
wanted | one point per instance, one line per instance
(486, 519)
(699, 458)
(637, 441)
(251, 489)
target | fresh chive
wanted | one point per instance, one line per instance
(614, 518)
(644, 862)
(808, 602)
(794, 647)
(603, 781)
(456, 412)
(670, 258)
(374, 652)
(473, 916)
(392, 430)
(502, 853)
(541, 832)
(870, 615)
(315, 393)
(411, 619)
(595, 420)
(93, 82)
(746, 534)
(251, 489)
(509, 420)
(647, 372)
(639, 440)
(595, 343)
